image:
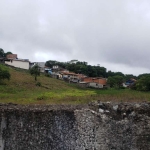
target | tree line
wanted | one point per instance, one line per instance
(80, 67)
(88, 70)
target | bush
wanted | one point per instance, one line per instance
(38, 84)
(143, 84)
(115, 81)
(41, 97)
(4, 73)
(48, 75)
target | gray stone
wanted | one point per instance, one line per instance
(101, 110)
(115, 107)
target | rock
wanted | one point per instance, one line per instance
(115, 107)
(101, 110)
(107, 111)
(137, 105)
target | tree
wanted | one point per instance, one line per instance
(143, 84)
(4, 73)
(2, 54)
(130, 76)
(35, 71)
(5, 54)
(115, 81)
(143, 75)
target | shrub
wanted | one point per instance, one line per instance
(38, 84)
(4, 73)
(48, 75)
(143, 84)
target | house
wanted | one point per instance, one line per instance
(67, 75)
(11, 56)
(76, 78)
(129, 83)
(56, 75)
(95, 85)
(57, 68)
(97, 82)
(40, 64)
(83, 84)
(48, 70)
(2, 59)
(12, 60)
(19, 63)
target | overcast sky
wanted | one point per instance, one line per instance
(112, 33)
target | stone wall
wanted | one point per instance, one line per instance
(98, 126)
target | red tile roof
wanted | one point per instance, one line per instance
(11, 56)
(98, 80)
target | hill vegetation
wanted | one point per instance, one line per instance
(23, 89)
(115, 79)
(89, 70)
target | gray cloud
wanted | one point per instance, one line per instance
(111, 33)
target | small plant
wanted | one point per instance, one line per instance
(48, 75)
(38, 84)
(4, 73)
(41, 97)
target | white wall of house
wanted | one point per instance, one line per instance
(95, 85)
(42, 69)
(18, 64)
(124, 85)
(55, 67)
(40, 64)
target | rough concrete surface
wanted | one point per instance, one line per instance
(97, 126)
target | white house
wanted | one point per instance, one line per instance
(19, 63)
(40, 64)
(95, 85)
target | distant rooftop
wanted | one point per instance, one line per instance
(11, 56)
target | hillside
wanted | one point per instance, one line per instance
(22, 89)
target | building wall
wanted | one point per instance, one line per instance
(42, 69)
(84, 85)
(95, 85)
(102, 81)
(18, 64)
(11, 56)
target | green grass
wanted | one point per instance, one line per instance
(22, 89)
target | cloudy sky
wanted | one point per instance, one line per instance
(112, 33)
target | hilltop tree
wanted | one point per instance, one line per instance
(143, 75)
(2, 54)
(35, 71)
(130, 76)
(5, 54)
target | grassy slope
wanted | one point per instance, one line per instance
(21, 89)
